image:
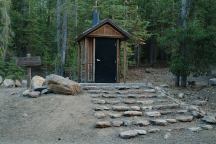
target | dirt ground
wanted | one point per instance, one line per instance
(161, 76)
(58, 119)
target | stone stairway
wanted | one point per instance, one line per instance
(140, 109)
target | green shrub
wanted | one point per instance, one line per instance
(11, 70)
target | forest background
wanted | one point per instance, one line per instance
(184, 29)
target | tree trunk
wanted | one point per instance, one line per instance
(185, 7)
(64, 42)
(58, 30)
(138, 55)
(183, 81)
(177, 80)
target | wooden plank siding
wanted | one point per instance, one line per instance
(118, 59)
(82, 61)
(106, 31)
(90, 59)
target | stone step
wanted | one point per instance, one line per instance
(167, 106)
(174, 111)
(116, 85)
(127, 101)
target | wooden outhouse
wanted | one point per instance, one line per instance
(99, 53)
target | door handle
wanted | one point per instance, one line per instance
(98, 60)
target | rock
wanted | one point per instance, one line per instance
(103, 124)
(185, 118)
(129, 101)
(142, 123)
(40, 89)
(117, 123)
(164, 86)
(207, 127)
(132, 113)
(181, 95)
(45, 91)
(166, 112)
(154, 130)
(98, 101)
(113, 102)
(159, 122)
(94, 91)
(147, 70)
(100, 115)
(167, 135)
(120, 108)
(195, 129)
(1, 80)
(153, 114)
(122, 87)
(150, 90)
(8, 83)
(181, 111)
(37, 82)
(128, 134)
(61, 85)
(141, 132)
(197, 114)
(212, 82)
(200, 103)
(171, 120)
(147, 108)
(101, 108)
(31, 94)
(24, 83)
(132, 96)
(193, 108)
(167, 106)
(115, 115)
(26, 92)
(209, 119)
(127, 123)
(135, 108)
(109, 96)
(145, 102)
(18, 83)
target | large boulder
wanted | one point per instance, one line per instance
(212, 82)
(61, 85)
(8, 83)
(24, 83)
(37, 82)
(18, 83)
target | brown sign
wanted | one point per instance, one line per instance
(29, 61)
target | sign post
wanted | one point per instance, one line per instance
(29, 62)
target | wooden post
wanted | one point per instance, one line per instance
(29, 73)
(93, 59)
(118, 60)
(79, 62)
(125, 63)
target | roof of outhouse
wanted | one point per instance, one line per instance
(102, 23)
